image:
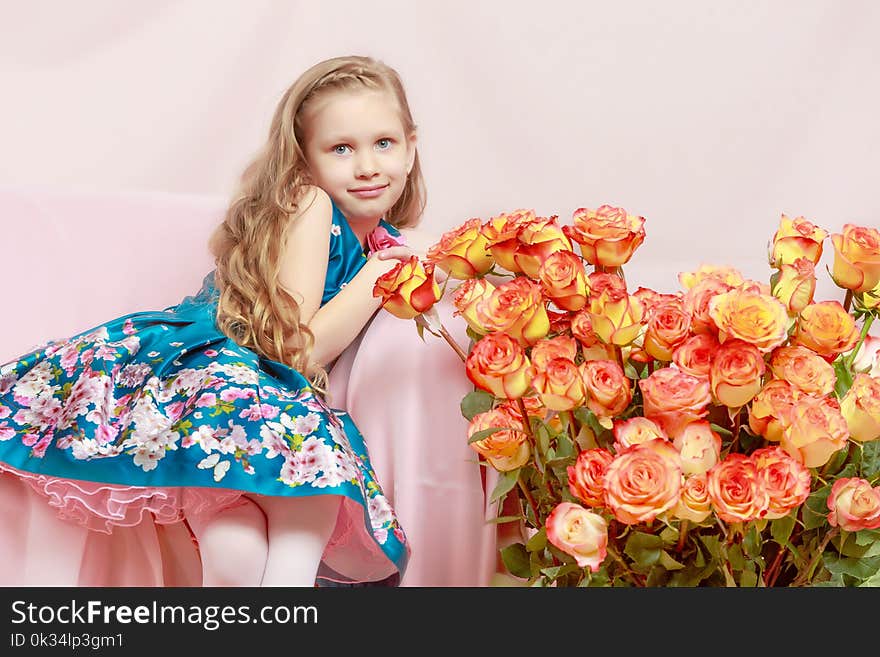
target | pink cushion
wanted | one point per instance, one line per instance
(74, 259)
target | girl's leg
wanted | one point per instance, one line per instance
(298, 530)
(233, 546)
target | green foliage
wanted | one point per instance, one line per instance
(478, 401)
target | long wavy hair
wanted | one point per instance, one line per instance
(253, 308)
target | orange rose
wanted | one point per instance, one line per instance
(516, 308)
(643, 481)
(815, 431)
(771, 409)
(466, 297)
(695, 354)
(545, 350)
(607, 387)
(504, 450)
(651, 299)
(559, 384)
(854, 505)
(579, 533)
(759, 319)
(729, 277)
(736, 372)
(697, 301)
(860, 407)
(498, 364)
(674, 399)
(826, 328)
(564, 280)
(586, 476)
(634, 431)
(795, 285)
(856, 258)
(699, 448)
(694, 503)
(796, 238)
(737, 490)
(462, 252)
(669, 325)
(804, 369)
(500, 233)
(537, 241)
(409, 289)
(608, 236)
(786, 480)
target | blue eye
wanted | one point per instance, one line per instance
(384, 144)
(340, 149)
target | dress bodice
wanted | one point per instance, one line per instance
(346, 257)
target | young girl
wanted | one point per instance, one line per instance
(213, 410)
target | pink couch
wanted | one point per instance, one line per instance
(73, 259)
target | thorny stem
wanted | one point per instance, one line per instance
(682, 535)
(629, 573)
(531, 500)
(422, 321)
(852, 356)
(773, 571)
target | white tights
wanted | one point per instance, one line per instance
(267, 541)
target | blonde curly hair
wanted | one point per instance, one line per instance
(253, 308)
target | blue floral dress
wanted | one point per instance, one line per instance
(159, 412)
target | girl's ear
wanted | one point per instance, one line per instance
(411, 142)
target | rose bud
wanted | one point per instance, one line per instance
(409, 289)
(558, 384)
(608, 388)
(608, 236)
(860, 407)
(669, 325)
(854, 505)
(826, 328)
(856, 258)
(466, 297)
(579, 533)
(815, 431)
(462, 252)
(736, 372)
(694, 503)
(636, 430)
(771, 409)
(699, 448)
(564, 280)
(498, 364)
(796, 238)
(795, 285)
(500, 233)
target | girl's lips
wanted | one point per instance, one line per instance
(368, 192)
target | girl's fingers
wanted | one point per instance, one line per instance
(398, 252)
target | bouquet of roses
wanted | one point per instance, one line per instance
(722, 434)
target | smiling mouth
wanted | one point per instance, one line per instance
(372, 188)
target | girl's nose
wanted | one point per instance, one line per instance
(366, 166)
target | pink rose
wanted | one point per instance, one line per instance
(380, 239)
(854, 505)
(579, 533)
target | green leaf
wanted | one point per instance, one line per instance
(478, 401)
(867, 536)
(644, 549)
(506, 481)
(872, 581)
(861, 569)
(871, 459)
(485, 433)
(500, 520)
(781, 528)
(538, 541)
(860, 545)
(668, 562)
(752, 542)
(473, 335)
(748, 579)
(516, 560)
(736, 558)
(844, 377)
(554, 572)
(815, 509)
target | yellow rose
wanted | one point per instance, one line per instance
(694, 503)
(728, 277)
(558, 384)
(795, 285)
(462, 252)
(608, 236)
(737, 490)
(860, 407)
(560, 346)
(759, 319)
(636, 430)
(579, 533)
(536, 241)
(815, 431)
(616, 316)
(517, 308)
(504, 450)
(669, 325)
(786, 480)
(736, 372)
(643, 481)
(564, 280)
(854, 505)
(466, 297)
(409, 289)
(856, 258)
(498, 364)
(826, 328)
(586, 477)
(796, 238)
(804, 369)
(697, 301)
(699, 448)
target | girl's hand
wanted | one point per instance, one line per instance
(403, 254)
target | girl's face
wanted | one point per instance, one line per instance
(358, 151)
